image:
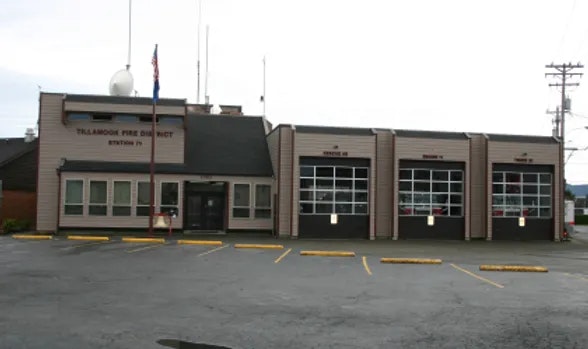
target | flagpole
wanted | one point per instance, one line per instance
(152, 161)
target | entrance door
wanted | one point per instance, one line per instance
(204, 211)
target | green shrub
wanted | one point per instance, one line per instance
(10, 225)
(581, 220)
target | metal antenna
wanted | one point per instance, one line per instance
(129, 48)
(198, 64)
(206, 96)
(263, 96)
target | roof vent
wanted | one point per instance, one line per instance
(29, 135)
(216, 109)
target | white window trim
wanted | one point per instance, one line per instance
(250, 216)
(177, 205)
(255, 207)
(113, 204)
(135, 200)
(83, 203)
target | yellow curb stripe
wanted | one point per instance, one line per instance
(145, 248)
(477, 276)
(410, 261)
(143, 240)
(213, 250)
(32, 237)
(521, 268)
(365, 265)
(88, 238)
(266, 246)
(328, 253)
(282, 256)
(200, 242)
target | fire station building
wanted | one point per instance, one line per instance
(230, 172)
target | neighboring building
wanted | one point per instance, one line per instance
(234, 173)
(18, 176)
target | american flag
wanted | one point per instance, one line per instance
(155, 76)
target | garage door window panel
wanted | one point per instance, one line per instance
(527, 194)
(424, 192)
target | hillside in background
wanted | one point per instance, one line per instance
(579, 189)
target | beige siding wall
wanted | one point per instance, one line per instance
(134, 221)
(316, 144)
(478, 187)
(57, 141)
(384, 184)
(542, 154)
(123, 108)
(284, 182)
(273, 144)
(408, 148)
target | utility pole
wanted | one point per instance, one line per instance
(563, 71)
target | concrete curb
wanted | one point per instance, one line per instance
(410, 261)
(328, 253)
(262, 246)
(32, 237)
(88, 238)
(144, 240)
(520, 268)
(200, 242)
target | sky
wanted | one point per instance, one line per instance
(453, 65)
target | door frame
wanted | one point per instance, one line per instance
(206, 188)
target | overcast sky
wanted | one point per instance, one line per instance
(438, 65)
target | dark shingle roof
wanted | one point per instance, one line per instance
(431, 134)
(13, 148)
(227, 145)
(124, 167)
(352, 131)
(522, 139)
(123, 100)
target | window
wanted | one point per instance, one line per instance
(241, 201)
(424, 192)
(334, 189)
(521, 194)
(74, 197)
(143, 198)
(78, 117)
(171, 120)
(121, 201)
(97, 198)
(263, 195)
(169, 197)
(148, 118)
(101, 117)
(126, 118)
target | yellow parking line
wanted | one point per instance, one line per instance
(282, 256)
(143, 240)
(522, 268)
(477, 276)
(365, 265)
(266, 246)
(213, 250)
(88, 238)
(200, 242)
(577, 276)
(32, 237)
(87, 244)
(145, 248)
(328, 253)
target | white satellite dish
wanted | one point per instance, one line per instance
(121, 83)
(216, 109)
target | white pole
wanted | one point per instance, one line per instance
(198, 64)
(264, 86)
(129, 48)
(206, 97)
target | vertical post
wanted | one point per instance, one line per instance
(129, 48)
(198, 64)
(152, 174)
(263, 86)
(562, 110)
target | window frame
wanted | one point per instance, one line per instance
(136, 199)
(235, 207)
(335, 190)
(115, 205)
(83, 201)
(427, 207)
(176, 207)
(257, 208)
(500, 200)
(97, 204)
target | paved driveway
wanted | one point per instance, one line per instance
(72, 294)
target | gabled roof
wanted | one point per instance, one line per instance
(227, 145)
(13, 148)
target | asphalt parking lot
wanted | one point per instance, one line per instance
(112, 294)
